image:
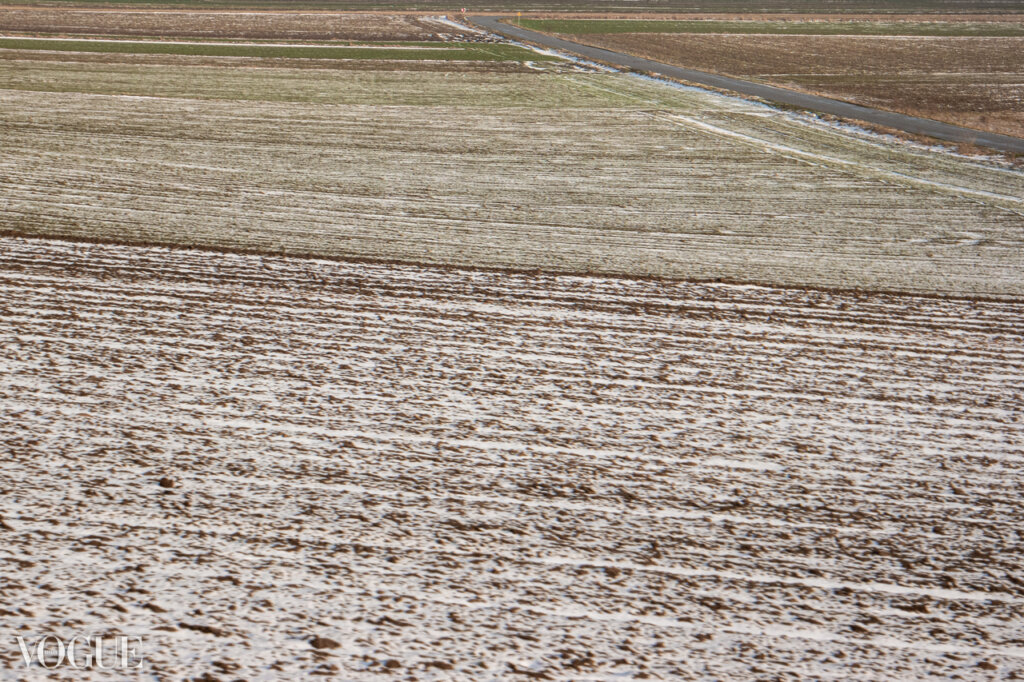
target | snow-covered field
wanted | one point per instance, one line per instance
(479, 476)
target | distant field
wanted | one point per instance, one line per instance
(417, 51)
(210, 24)
(554, 169)
(658, 6)
(966, 73)
(901, 28)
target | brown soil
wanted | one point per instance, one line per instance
(975, 82)
(260, 63)
(227, 24)
(754, 16)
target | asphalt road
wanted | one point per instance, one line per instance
(909, 124)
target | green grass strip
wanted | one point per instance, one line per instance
(865, 28)
(448, 51)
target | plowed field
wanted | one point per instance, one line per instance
(454, 475)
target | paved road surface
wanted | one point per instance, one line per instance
(910, 124)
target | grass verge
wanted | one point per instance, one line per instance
(417, 51)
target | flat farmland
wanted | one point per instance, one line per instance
(271, 468)
(227, 24)
(556, 168)
(323, 354)
(788, 25)
(667, 7)
(419, 51)
(968, 73)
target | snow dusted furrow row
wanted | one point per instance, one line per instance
(471, 475)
